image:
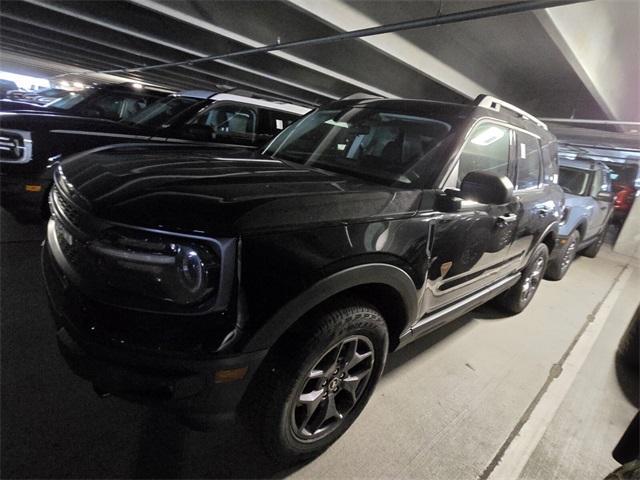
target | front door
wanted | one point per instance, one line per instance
(470, 249)
(599, 207)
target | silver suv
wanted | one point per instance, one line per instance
(588, 206)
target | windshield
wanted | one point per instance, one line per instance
(160, 112)
(387, 147)
(574, 180)
(69, 101)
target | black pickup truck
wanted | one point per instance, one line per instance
(31, 143)
(272, 284)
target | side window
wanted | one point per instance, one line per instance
(228, 121)
(115, 107)
(601, 183)
(549, 163)
(272, 122)
(529, 161)
(487, 150)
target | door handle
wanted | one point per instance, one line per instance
(504, 220)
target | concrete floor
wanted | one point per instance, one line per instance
(446, 405)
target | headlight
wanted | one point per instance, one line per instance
(172, 269)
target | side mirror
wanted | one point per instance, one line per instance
(201, 133)
(488, 188)
(604, 196)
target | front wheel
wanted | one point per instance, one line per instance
(558, 267)
(519, 296)
(318, 381)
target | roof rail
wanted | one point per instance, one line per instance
(361, 96)
(496, 104)
(271, 98)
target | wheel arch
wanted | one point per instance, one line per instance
(386, 287)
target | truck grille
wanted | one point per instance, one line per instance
(15, 146)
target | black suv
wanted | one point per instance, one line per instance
(31, 144)
(110, 101)
(273, 285)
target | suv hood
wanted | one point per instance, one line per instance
(222, 192)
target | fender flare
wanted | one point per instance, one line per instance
(373, 273)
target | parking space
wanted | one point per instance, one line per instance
(465, 392)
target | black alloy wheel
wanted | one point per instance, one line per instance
(318, 379)
(516, 299)
(332, 388)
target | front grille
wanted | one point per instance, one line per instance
(15, 146)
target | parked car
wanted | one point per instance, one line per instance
(109, 101)
(622, 202)
(31, 143)
(273, 285)
(42, 96)
(6, 86)
(588, 208)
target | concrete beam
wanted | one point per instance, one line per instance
(64, 9)
(600, 41)
(199, 22)
(345, 17)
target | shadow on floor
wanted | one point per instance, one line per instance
(167, 449)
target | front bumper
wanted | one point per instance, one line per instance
(204, 390)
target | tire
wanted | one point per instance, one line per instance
(516, 299)
(629, 347)
(304, 364)
(592, 250)
(559, 265)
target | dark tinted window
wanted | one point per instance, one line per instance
(162, 111)
(575, 180)
(273, 122)
(529, 161)
(487, 150)
(228, 120)
(549, 163)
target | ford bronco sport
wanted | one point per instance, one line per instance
(586, 214)
(270, 286)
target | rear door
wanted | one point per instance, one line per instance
(535, 206)
(471, 246)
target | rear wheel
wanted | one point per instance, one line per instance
(559, 266)
(319, 380)
(519, 296)
(592, 250)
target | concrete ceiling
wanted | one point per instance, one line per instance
(579, 60)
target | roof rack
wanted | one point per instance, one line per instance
(361, 96)
(496, 104)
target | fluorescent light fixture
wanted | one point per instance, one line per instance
(337, 124)
(78, 84)
(488, 136)
(136, 85)
(65, 84)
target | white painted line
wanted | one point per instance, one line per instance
(522, 447)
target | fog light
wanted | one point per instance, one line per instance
(231, 375)
(33, 188)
